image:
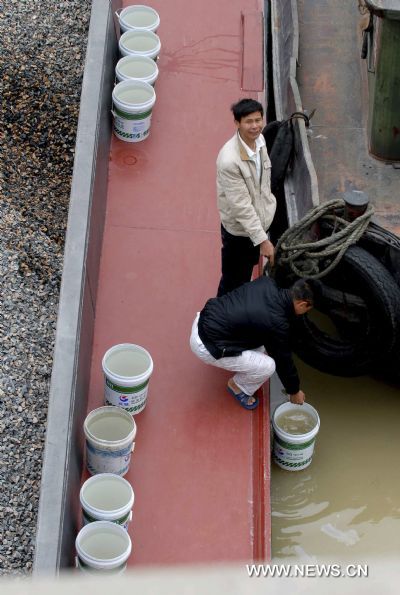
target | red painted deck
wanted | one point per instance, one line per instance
(200, 470)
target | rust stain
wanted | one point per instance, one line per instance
(129, 159)
(388, 216)
(344, 179)
(127, 155)
(324, 84)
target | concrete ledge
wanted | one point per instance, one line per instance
(62, 466)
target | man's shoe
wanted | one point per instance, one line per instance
(243, 399)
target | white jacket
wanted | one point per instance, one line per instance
(246, 204)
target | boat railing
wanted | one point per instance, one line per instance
(301, 185)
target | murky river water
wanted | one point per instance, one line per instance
(347, 503)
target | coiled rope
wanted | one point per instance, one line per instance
(315, 259)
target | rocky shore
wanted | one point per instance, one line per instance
(41, 67)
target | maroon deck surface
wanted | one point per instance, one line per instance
(200, 470)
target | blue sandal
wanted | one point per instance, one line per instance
(242, 398)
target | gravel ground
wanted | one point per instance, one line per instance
(41, 65)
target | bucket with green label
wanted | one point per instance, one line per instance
(139, 68)
(295, 431)
(138, 17)
(133, 103)
(110, 439)
(102, 547)
(141, 43)
(127, 369)
(107, 497)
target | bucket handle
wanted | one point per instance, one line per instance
(118, 12)
(130, 517)
(133, 447)
(76, 562)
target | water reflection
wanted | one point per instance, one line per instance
(348, 500)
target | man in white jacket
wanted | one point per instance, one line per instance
(245, 202)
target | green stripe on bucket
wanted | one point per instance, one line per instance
(136, 408)
(92, 519)
(126, 390)
(290, 446)
(131, 410)
(126, 116)
(89, 568)
(292, 465)
(138, 135)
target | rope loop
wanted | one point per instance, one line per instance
(308, 256)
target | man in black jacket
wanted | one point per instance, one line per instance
(248, 331)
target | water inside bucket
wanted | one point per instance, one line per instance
(296, 421)
(136, 68)
(140, 43)
(128, 363)
(139, 17)
(107, 494)
(103, 545)
(134, 95)
(110, 427)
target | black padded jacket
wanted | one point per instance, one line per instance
(257, 313)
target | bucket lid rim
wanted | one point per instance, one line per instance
(138, 107)
(297, 437)
(305, 405)
(100, 476)
(136, 32)
(101, 562)
(116, 444)
(117, 411)
(113, 527)
(130, 9)
(125, 347)
(135, 7)
(137, 57)
(110, 409)
(142, 60)
(115, 513)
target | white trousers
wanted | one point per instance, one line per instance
(253, 367)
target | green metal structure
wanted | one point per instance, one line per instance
(383, 63)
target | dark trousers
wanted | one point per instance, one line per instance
(238, 257)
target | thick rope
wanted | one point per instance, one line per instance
(315, 259)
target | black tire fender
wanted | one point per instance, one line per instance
(368, 339)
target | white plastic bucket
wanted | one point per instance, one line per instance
(103, 546)
(139, 68)
(127, 369)
(133, 103)
(139, 18)
(110, 439)
(107, 497)
(142, 43)
(294, 451)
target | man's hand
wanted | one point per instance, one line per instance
(267, 249)
(298, 398)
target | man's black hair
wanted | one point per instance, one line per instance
(244, 107)
(306, 289)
